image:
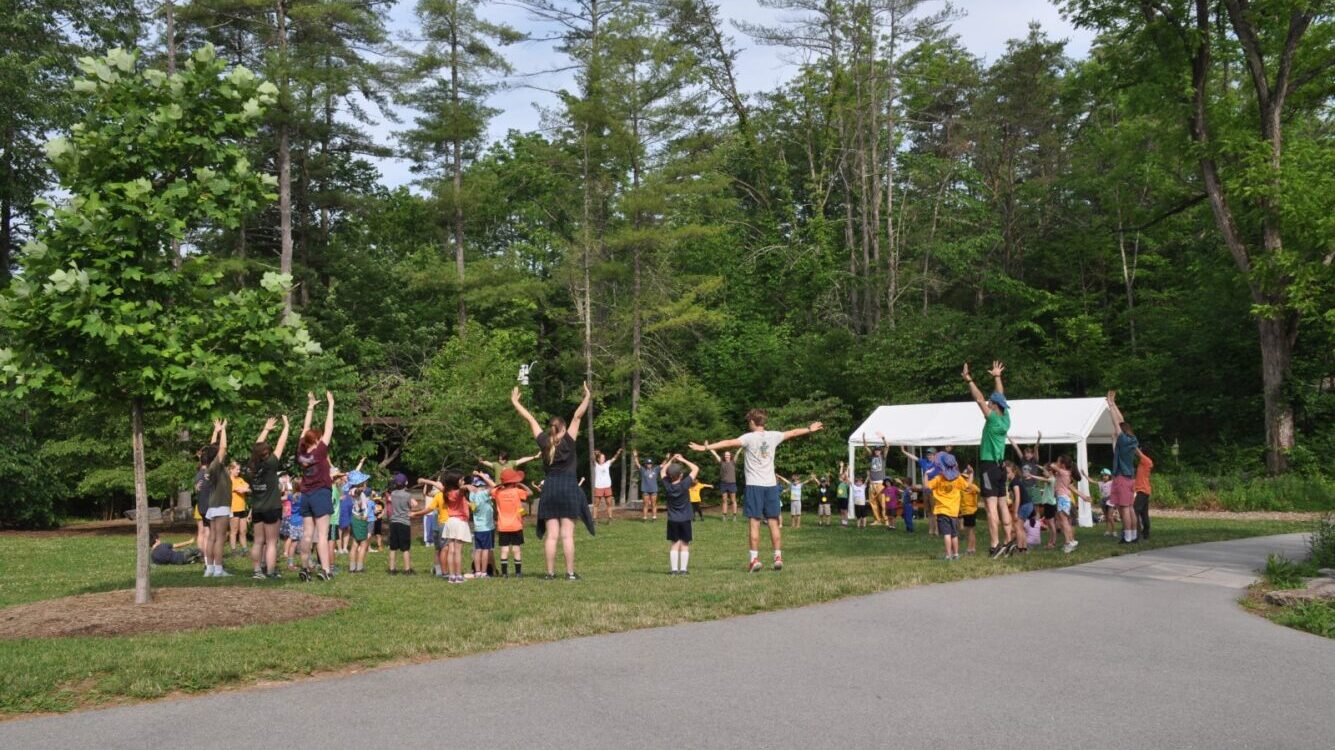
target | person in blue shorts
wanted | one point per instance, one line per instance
(762, 488)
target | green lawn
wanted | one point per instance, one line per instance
(388, 619)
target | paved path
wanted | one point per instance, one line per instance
(1146, 650)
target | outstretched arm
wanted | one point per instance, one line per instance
(328, 419)
(978, 397)
(282, 439)
(311, 401)
(908, 454)
(716, 456)
(222, 441)
(782, 478)
(615, 456)
(695, 470)
(485, 477)
(720, 445)
(800, 431)
(1116, 413)
(579, 412)
(526, 459)
(519, 407)
(269, 424)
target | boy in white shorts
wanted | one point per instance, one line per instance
(795, 496)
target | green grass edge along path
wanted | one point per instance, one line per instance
(398, 619)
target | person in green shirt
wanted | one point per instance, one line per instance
(991, 454)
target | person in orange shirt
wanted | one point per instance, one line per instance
(510, 496)
(1142, 487)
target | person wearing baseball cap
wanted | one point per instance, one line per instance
(991, 455)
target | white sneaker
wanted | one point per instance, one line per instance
(1069, 548)
(208, 572)
(221, 573)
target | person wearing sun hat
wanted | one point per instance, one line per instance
(947, 488)
(991, 455)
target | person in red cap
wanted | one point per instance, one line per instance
(510, 496)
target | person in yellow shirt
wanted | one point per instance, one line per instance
(969, 511)
(947, 491)
(240, 511)
(696, 505)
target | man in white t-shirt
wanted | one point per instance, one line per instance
(602, 483)
(762, 500)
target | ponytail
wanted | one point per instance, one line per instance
(555, 427)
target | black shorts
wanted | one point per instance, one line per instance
(861, 511)
(1050, 511)
(945, 525)
(379, 527)
(679, 531)
(267, 516)
(400, 537)
(510, 538)
(241, 514)
(992, 479)
(970, 520)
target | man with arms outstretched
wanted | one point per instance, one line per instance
(991, 454)
(762, 488)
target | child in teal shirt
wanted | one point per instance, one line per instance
(484, 525)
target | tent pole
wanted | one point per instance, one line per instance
(852, 455)
(1082, 461)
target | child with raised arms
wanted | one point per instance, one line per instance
(675, 487)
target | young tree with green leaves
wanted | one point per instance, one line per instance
(99, 311)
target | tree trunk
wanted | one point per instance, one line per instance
(458, 171)
(6, 206)
(142, 593)
(284, 163)
(1277, 339)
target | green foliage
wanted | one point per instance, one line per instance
(1234, 492)
(100, 308)
(1322, 542)
(1317, 618)
(1283, 573)
(677, 413)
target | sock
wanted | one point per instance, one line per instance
(519, 567)
(505, 567)
(754, 555)
(1126, 535)
(673, 557)
(778, 553)
(685, 557)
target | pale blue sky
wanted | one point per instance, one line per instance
(984, 29)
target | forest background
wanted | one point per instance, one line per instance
(1156, 217)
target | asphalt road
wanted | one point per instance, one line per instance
(1147, 650)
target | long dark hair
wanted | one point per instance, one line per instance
(259, 452)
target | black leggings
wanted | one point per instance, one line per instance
(1143, 514)
(699, 510)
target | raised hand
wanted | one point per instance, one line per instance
(587, 392)
(311, 400)
(997, 368)
(965, 372)
(514, 395)
(285, 420)
(329, 396)
(816, 427)
(698, 447)
(270, 423)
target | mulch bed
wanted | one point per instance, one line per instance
(171, 610)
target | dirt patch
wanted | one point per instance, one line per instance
(172, 610)
(1225, 515)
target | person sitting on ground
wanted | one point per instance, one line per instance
(166, 553)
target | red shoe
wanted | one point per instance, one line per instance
(778, 562)
(754, 566)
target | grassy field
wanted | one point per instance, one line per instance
(392, 619)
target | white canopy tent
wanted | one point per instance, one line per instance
(1068, 421)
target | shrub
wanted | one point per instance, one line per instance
(1314, 617)
(1244, 493)
(1323, 542)
(1283, 573)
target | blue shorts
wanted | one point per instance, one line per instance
(727, 488)
(1026, 511)
(945, 526)
(762, 502)
(317, 503)
(484, 540)
(1064, 505)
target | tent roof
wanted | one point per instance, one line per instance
(1061, 420)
